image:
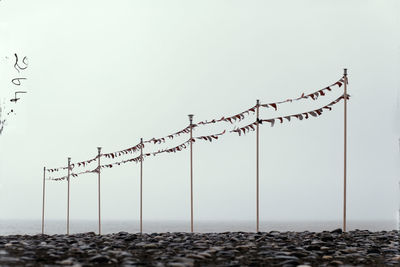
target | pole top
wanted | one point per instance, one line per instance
(69, 159)
(141, 140)
(190, 118)
(99, 149)
(258, 101)
(345, 72)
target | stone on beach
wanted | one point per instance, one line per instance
(335, 248)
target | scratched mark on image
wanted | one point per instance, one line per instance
(19, 66)
(2, 120)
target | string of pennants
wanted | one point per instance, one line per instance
(232, 119)
(138, 159)
(171, 136)
(96, 170)
(299, 116)
(130, 150)
(79, 164)
(240, 116)
(72, 174)
(184, 145)
(313, 96)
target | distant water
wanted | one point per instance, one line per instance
(9, 227)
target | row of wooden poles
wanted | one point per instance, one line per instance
(191, 174)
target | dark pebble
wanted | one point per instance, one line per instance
(337, 231)
(99, 259)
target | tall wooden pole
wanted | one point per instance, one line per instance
(191, 172)
(98, 183)
(69, 170)
(44, 192)
(141, 185)
(345, 151)
(257, 167)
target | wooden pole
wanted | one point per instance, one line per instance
(141, 185)
(257, 168)
(191, 172)
(44, 190)
(69, 170)
(345, 152)
(98, 183)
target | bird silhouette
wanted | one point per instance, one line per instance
(15, 99)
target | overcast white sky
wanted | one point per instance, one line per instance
(106, 73)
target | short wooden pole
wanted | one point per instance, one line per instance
(141, 185)
(44, 192)
(257, 168)
(345, 153)
(68, 180)
(191, 171)
(98, 183)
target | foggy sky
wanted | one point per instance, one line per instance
(106, 73)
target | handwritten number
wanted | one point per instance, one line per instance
(24, 60)
(17, 66)
(17, 81)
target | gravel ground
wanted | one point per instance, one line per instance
(354, 248)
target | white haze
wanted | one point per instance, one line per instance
(106, 73)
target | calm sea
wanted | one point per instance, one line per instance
(9, 227)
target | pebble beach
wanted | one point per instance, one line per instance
(328, 248)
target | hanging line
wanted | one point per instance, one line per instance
(240, 116)
(299, 116)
